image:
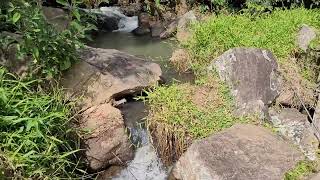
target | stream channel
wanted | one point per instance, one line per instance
(145, 165)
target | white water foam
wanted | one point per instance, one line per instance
(145, 166)
(126, 24)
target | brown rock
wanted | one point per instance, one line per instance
(105, 74)
(107, 142)
(241, 152)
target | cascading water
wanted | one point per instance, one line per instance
(146, 165)
(126, 24)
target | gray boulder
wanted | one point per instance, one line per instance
(305, 36)
(295, 127)
(106, 143)
(252, 75)
(107, 74)
(241, 152)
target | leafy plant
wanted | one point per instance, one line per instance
(36, 139)
(51, 51)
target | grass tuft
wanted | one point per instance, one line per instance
(35, 134)
(181, 113)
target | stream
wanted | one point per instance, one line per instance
(145, 165)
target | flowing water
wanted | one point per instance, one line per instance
(146, 165)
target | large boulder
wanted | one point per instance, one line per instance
(106, 143)
(305, 35)
(240, 152)
(107, 74)
(252, 75)
(295, 127)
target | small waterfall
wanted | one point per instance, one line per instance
(126, 24)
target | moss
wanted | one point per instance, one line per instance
(302, 169)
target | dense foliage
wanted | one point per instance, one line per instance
(35, 135)
(50, 51)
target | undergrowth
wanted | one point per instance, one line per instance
(36, 140)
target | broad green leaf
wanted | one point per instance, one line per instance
(16, 17)
(76, 14)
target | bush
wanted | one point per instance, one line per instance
(51, 51)
(35, 134)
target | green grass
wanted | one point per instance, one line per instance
(276, 32)
(36, 140)
(181, 113)
(302, 169)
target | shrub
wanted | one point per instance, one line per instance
(51, 51)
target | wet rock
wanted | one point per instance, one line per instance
(240, 152)
(305, 36)
(156, 29)
(144, 24)
(57, 17)
(107, 23)
(252, 75)
(106, 74)
(140, 31)
(294, 126)
(107, 142)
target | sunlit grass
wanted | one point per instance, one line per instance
(36, 140)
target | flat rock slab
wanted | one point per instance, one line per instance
(107, 143)
(242, 152)
(105, 74)
(252, 75)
